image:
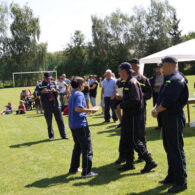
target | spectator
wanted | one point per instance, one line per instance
(93, 90)
(21, 108)
(8, 109)
(156, 82)
(86, 91)
(108, 91)
(62, 90)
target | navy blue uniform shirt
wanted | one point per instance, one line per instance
(173, 94)
(50, 98)
(132, 101)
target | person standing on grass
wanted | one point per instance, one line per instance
(93, 90)
(133, 106)
(172, 98)
(147, 94)
(62, 89)
(108, 92)
(47, 89)
(156, 82)
(86, 91)
(80, 130)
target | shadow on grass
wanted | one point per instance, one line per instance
(111, 132)
(49, 182)
(96, 124)
(34, 115)
(151, 133)
(107, 174)
(154, 191)
(32, 143)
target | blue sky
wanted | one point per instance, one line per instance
(60, 18)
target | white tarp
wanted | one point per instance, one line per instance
(182, 52)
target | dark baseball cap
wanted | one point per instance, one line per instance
(47, 75)
(134, 61)
(169, 59)
(126, 66)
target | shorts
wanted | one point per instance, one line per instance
(87, 96)
(117, 102)
(8, 112)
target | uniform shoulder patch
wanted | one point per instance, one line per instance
(142, 84)
(168, 81)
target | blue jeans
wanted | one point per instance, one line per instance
(93, 101)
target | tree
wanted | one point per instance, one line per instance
(159, 20)
(190, 35)
(75, 56)
(25, 32)
(175, 32)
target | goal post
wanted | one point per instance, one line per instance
(33, 72)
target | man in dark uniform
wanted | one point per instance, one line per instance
(119, 85)
(172, 98)
(132, 105)
(147, 94)
(48, 91)
(156, 82)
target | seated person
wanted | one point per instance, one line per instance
(8, 109)
(21, 108)
(25, 94)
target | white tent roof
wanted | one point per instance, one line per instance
(182, 52)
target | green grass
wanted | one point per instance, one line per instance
(30, 164)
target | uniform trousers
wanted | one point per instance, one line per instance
(48, 112)
(130, 137)
(172, 129)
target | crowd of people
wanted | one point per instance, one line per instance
(127, 98)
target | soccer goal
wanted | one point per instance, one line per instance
(33, 72)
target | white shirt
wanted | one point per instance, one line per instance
(62, 86)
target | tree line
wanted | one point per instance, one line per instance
(115, 38)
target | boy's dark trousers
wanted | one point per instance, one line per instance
(82, 144)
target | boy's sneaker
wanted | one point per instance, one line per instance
(77, 171)
(91, 174)
(51, 139)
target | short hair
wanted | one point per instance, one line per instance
(108, 70)
(77, 82)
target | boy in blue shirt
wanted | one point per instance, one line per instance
(80, 130)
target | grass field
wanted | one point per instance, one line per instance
(30, 164)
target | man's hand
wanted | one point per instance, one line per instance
(118, 97)
(53, 90)
(112, 97)
(44, 90)
(154, 113)
(158, 85)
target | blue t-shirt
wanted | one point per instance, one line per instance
(77, 119)
(109, 86)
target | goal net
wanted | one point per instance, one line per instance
(29, 78)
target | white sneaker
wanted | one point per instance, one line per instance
(51, 139)
(91, 174)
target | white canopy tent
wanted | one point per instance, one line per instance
(182, 52)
